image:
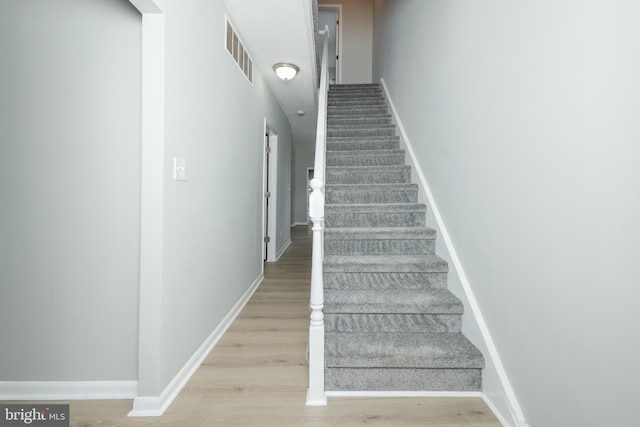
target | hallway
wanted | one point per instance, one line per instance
(257, 373)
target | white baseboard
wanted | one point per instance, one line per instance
(284, 248)
(405, 394)
(497, 413)
(153, 406)
(67, 390)
(510, 397)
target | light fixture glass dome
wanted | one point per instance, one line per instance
(285, 71)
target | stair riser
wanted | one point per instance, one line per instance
(375, 219)
(390, 323)
(356, 100)
(356, 103)
(379, 247)
(360, 132)
(371, 196)
(354, 96)
(359, 121)
(390, 160)
(364, 144)
(385, 280)
(352, 86)
(377, 379)
(386, 177)
(360, 91)
(366, 91)
(354, 111)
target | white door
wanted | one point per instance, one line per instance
(270, 197)
(267, 195)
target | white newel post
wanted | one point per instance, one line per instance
(316, 395)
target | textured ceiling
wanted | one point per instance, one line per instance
(282, 31)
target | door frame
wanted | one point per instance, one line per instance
(269, 184)
(337, 36)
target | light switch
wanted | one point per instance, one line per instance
(179, 169)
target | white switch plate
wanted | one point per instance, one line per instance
(179, 169)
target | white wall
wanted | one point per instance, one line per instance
(213, 222)
(285, 182)
(69, 190)
(357, 34)
(524, 117)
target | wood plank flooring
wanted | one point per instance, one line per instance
(257, 373)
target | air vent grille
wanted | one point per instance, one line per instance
(238, 52)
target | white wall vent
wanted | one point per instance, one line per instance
(238, 52)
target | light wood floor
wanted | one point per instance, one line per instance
(257, 373)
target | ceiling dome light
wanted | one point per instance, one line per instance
(285, 71)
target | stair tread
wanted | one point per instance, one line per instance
(361, 138)
(356, 99)
(392, 301)
(379, 208)
(401, 350)
(381, 115)
(361, 153)
(379, 233)
(385, 263)
(380, 186)
(382, 168)
(359, 126)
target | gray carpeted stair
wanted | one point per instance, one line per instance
(391, 323)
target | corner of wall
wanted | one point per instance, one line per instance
(154, 406)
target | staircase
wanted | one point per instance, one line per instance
(390, 322)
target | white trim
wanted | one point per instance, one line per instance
(284, 248)
(405, 394)
(151, 406)
(299, 223)
(512, 401)
(67, 390)
(270, 223)
(496, 412)
(146, 6)
(152, 175)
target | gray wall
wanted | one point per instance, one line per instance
(524, 118)
(357, 34)
(70, 186)
(69, 189)
(213, 222)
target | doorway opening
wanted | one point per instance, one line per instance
(331, 15)
(309, 190)
(269, 199)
